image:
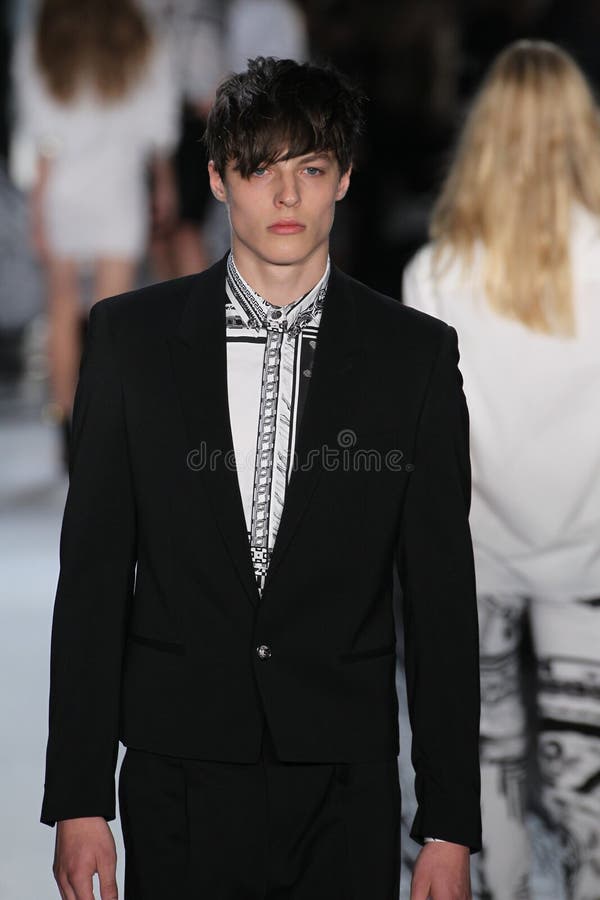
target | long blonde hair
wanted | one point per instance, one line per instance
(105, 42)
(529, 149)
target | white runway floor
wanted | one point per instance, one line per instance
(32, 494)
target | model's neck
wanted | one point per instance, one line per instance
(277, 283)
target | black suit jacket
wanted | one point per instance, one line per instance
(157, 617)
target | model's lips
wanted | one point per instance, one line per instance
(286, 226)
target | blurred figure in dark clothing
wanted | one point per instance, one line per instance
(193, 31)
(406, 60)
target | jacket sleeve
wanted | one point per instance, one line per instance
(97, 568)
(435, 562)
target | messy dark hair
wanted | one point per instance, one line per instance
(282, 105)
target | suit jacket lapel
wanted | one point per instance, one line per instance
(199, 356)
(331, 398)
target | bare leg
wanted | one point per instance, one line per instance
(160, 253)
(188, 249)
(114, 276)
(63, 345)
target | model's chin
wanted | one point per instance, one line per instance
(285, 250)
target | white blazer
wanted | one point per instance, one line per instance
(534, 403)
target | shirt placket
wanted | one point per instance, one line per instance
(265, 448)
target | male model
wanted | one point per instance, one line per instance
(254, 447)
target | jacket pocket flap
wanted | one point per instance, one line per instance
(165, 646)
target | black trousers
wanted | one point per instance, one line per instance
(270, 830)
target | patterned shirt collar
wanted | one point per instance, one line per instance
(256, 312)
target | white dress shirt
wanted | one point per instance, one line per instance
(270, 352)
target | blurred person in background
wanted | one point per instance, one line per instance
(514, 266)
(263, 28)
(209, 40)
(193, 31)
(95, 94)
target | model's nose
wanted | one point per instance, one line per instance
(287, 192)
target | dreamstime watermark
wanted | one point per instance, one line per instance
(345, 457)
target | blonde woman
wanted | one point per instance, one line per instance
(96, 98)
(514, 265)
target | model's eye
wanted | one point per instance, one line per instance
(313, 170)
(260, 171)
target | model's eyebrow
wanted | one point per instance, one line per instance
(324, 156)
(316, 156)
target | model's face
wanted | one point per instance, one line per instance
(282, 214)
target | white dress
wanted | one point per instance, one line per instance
(96, 203)
(534, 404)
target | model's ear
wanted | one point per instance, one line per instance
(343, 185)
(216, 183)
